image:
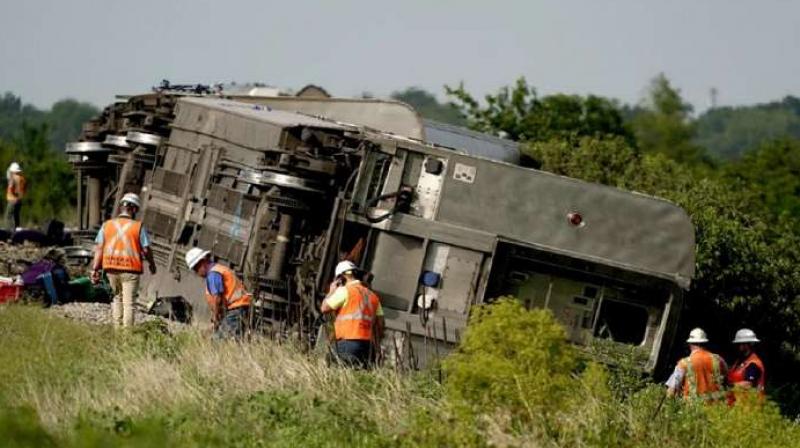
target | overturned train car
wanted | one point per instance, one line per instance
(281, 196)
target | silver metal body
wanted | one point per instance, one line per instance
(282, 196)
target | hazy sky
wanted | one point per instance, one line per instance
(91, 50)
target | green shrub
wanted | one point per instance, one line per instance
(752, 422)
(625, 365)
(512, 359)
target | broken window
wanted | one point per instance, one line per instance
(622, 322)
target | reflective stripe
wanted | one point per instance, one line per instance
(712, 384)
(16, 187)
(356, 318)
(234, 294)
(362, 307)
(238, 292)
(715, 370)
(120, 235)
(121, 245)
(691, 378)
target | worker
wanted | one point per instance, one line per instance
(227, 298)
(747, 372)
(121, 244)
(700, 375)
(358, 327)
(15, 191)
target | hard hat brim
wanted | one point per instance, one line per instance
(696, 341)
(746, 341)
(199, 258)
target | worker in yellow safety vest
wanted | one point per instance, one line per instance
(227, 298)
(359, 323)
(121, 245)
(701, 375)
(15, 192)
(748, 371)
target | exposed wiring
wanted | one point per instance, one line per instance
(401, 203)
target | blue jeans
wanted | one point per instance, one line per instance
(353, 353)
(232, 325)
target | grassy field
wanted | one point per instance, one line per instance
(64, 383)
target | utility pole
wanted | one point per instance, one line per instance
(713, 93)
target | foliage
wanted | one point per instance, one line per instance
(504, 356)
(429, 107)
(64, 119)
(662, 123)
(13, 114)
(118, 389)
(519, 114)
(51, 182)
(772, 172)
(36, 139)
(730, 132)
(625, 363)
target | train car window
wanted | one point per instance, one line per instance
(622, 322)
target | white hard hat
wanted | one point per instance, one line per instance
(344, 266)
(697, 336)
(194, 255)
(132, 199)
(15, 168)
(745, 336)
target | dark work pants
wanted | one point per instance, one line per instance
(12, 215)
(233, 324)
(353, 353)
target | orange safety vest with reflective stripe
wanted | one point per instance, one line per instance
(704, 376)
(122, 250)
(235, 296)
(354, 320)
(16, 188)
(736, 375)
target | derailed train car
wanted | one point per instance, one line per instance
(282, 195)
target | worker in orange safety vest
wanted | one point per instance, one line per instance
(701, 375)
(121, 245)
(227, 298)
(748, 371)
(359, 324)
(15, 192)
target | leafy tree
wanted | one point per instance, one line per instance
(512, 359)
(13, 113)
(772, 172)
(65, 118)
(728, 132)
(662, 123)
(429, 107)
(51, 182)
(519, 114)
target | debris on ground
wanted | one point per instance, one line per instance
(100, 314)
(15, 259)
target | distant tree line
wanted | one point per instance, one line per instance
(36, 138)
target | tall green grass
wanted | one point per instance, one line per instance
(513, 382)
